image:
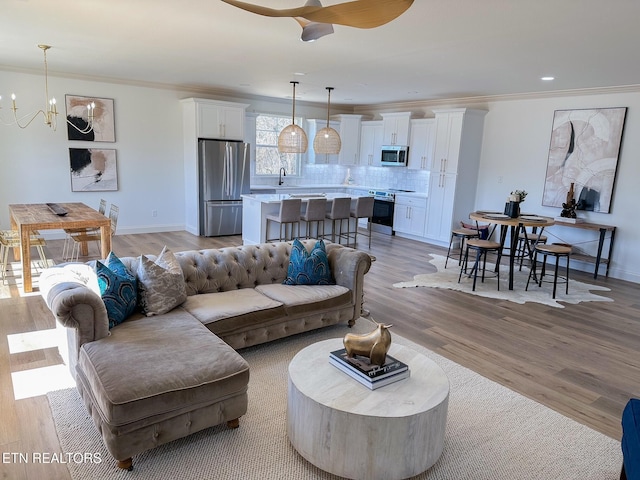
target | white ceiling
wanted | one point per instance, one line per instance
(437, 49)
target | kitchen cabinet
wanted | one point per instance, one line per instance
(422, 144)
(313, 127)
(350, 136)
(218, 120)
(409, 215)
(371, 143)
(454, 171)
(396, 128)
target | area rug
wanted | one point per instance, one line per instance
(448, 278)
(492, 432)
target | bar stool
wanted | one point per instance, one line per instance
(526, 242)
(340, 211)
(289, 215)
(555, 250)
(481, 247)
(362, 209)
(315, 213)
(463, 234)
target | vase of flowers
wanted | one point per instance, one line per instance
(512, 207)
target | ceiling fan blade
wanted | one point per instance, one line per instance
(358, 13)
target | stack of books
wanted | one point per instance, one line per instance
(371, 376)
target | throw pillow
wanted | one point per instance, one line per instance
(118, 289)
(160, 284)
(308, 268)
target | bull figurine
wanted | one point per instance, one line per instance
(374, 345)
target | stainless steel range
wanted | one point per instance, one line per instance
(382, 220)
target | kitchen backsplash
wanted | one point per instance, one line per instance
(374, 177)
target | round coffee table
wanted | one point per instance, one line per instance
(342, 427)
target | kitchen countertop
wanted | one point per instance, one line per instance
(320, 187)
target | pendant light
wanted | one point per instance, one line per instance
(327, 139)
(292, 138)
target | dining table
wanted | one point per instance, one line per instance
(515, 226)
(31, 217)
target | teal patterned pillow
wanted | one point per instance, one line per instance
(118, 289)
(308, 268)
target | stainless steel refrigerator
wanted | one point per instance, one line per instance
(224, 177)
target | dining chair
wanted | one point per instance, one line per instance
(68, 241)
(527, 240)
(462, 234)
(11, 239)
(93, 235)
(557, 251)
(481, 248)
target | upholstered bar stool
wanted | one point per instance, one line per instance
(289, 215)
(362, 209)
(463, 234)
(481, 248)
(555, 250)
(314, 214)
(340, 211)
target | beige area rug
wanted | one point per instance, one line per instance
(448, 278)
(492, 432)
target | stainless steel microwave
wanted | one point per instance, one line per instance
(395, 155)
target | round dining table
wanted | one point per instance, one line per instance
(516, 225)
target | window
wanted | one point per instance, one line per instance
(268, 159)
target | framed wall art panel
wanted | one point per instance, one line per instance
(93, 169)
(104, 128)
(584, 150)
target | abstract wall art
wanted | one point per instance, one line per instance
(104, 128)
(584, 150)
(93, 169)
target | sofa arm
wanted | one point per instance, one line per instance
(349, 267)
(75, 305)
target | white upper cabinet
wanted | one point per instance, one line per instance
(422, 144)
(371, 143)
(448, 139)
(350, 136)
(313, 127)
(220, 120)
(396, 128)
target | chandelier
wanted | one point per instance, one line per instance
(50, 111)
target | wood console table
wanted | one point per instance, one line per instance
(603, 229)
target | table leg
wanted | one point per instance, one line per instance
(105, 240)
(515, 232)
(16, 250)
(25, 247)
(603, 231)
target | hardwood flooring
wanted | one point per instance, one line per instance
(582, 360)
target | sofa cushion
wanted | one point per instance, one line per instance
(118, 289)
(161, 283)
(233, 310)
(299, 299)
(308, 268)
(159, 367)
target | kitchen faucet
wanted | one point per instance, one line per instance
(282, 173)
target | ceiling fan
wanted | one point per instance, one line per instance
(357, 13)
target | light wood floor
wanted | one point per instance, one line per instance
(582, 360)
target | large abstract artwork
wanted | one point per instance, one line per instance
(584, 150)
(104, 128)
(93, 169)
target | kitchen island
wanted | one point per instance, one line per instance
(255, 208)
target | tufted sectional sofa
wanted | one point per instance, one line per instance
(151, 380)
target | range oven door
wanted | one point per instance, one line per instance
(382, 219)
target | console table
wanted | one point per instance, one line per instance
(598, 259)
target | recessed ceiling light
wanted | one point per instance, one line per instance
(547, 79)
(300, 74)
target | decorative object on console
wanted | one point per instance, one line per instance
(292, 138)
(374, 345)
(93, 169)
(90, 119)
(569, 207)
(359, 14)
(327, 139)
(584, 150)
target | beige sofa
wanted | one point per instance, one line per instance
(151, 380)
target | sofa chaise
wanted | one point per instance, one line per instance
(154, 379)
